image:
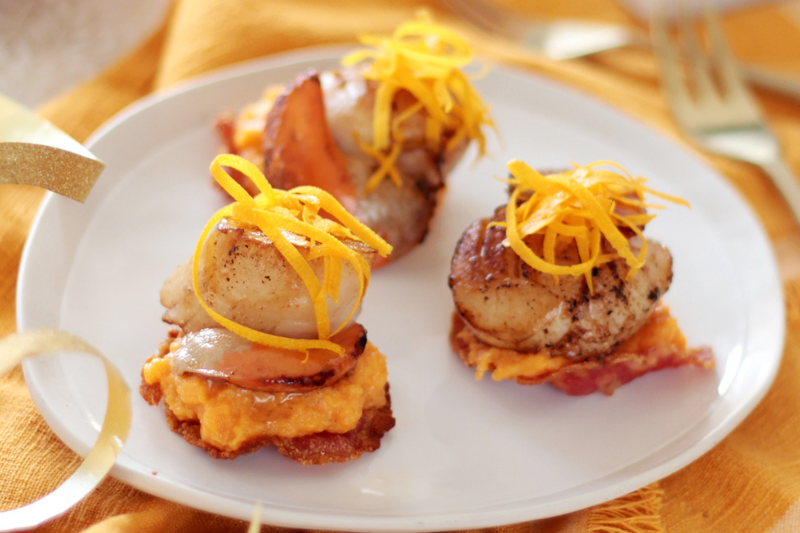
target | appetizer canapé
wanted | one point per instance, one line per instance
(381, 134)
(561, 286)
(265, 348)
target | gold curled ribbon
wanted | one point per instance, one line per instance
(103, 454)
(34, 152)
(255, 522)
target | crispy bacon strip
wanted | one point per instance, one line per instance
(299, 148)
(315, 449)
(607, 375)
(225, 126)
(657, 345)
(266, 368)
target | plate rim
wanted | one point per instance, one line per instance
(288, 518)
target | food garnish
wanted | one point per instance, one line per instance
(561, 286)
(274, 212)
(425, 59)
(582, 205)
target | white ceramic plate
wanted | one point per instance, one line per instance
(464, 454)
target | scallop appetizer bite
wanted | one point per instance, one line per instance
(380, 134)
(560, 285)
(265, 348)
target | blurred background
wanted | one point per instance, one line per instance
(49, 46)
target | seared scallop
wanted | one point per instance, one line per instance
(508, 304)
(244, 278)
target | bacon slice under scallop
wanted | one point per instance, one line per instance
(313, 135)
(325, 447)
(657, 345)
(220, 354)
(299, 148)
(314, 449)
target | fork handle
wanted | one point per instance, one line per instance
(774, 81)
(786, 182)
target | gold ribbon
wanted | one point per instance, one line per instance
(113, 433)
(255, 522)
(34, 152)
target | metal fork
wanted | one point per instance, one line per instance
(722, 120)
(564, 39)
(559, 40)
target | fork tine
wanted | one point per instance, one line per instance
(669, 64)
(727, 124)
(480, 15)
(703, 84)
(729, 76)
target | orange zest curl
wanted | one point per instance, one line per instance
(583, 205)
(425, 59)
(275, 212)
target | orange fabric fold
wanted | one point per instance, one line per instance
(749, 482)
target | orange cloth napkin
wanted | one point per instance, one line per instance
(749, 482)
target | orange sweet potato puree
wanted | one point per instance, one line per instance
(510, 364)
(231, 416)
(502, 363)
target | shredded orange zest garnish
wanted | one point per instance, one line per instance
(582, 205)
(425, 59)
(297, 211)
